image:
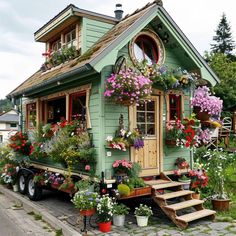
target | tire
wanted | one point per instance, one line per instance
(34, 191)
(22, 183)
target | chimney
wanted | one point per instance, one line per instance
(118, 11)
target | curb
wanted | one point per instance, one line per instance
(30, 206)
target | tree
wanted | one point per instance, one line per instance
(224, 40)
(5, 105)
(226, 71)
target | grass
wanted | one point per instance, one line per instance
(37, 217)
(58, 232)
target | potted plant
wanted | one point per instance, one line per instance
(142, 213)
(184, 179)
(86, 202)
(168, 78)
(205, 104)
(199, 180)
(105, 213)
(119, 212)
(127, 87)
(181, 163)
(122, 168)
(216, 167)
(173, 131)
(9, 176)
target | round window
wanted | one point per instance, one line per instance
(147, 46)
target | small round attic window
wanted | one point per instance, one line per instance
(147, 46)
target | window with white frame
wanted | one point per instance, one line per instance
(56, 45)
(70, 39)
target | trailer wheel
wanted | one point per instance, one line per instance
(34, 191)
(22, 183)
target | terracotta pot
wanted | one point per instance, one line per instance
(220, 204)
(88, 212)
(170, 142)
(105, 226)
(196, 195)
(201, 115)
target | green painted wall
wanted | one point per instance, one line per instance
(92, 30)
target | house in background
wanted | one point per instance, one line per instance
(9, 124)
(83, 49)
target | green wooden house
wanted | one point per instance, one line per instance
(102, 43)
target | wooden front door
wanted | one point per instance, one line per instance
(146, 117)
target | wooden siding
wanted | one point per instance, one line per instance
(92, 30)
(169, 154)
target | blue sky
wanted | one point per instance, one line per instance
(21, 56)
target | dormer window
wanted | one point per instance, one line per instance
(70, 39)
(56, 45)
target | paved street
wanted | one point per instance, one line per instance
(60, 206)
(14, 221)
(7, 227)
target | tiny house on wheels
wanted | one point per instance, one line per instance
(120, 83)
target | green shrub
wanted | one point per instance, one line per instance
(123, 190)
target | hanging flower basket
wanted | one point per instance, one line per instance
(127, 87)
(203, 116)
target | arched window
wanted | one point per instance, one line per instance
(147, 46)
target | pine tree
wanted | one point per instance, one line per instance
(224, 40)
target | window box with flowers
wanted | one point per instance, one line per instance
(125, 139)
(127, 87)
(167, 78)
(182, 134)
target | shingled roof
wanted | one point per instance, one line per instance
(9, 118)
(40, 78)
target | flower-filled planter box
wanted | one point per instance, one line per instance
(137, 192)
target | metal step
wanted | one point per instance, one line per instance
(174, 194)
(167, 185)
(185, 204)
(196, 215)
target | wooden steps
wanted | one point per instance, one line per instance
(180, 193)
(184, 204)
(177, 193)
(170, 184)
(196, 215)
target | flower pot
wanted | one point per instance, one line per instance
(142, 220)
(186, 184)
(105, 226)
(220, 204)
(170, 142)
(119, 220)
(203, 116)
(88, 212)
(15, 188)
(196, 195)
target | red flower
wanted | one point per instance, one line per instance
(87, 168)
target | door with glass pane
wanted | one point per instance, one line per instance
(146, 119)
